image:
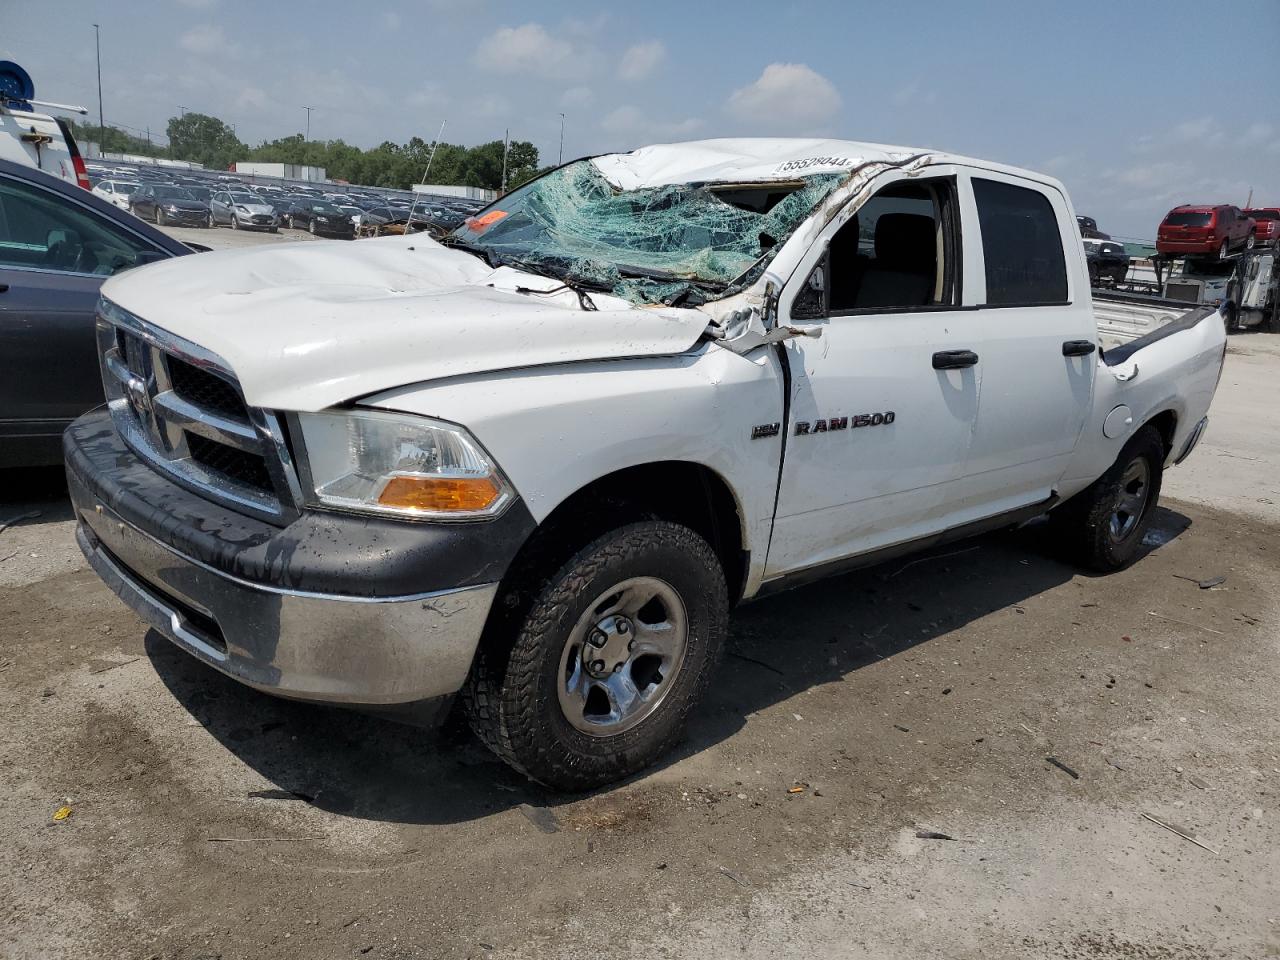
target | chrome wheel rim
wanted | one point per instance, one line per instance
(1131, 501)
(623, 656)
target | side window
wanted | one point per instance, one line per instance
(39, 228)
(899, 253)
(1021, 245)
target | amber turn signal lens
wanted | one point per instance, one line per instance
(439, 494)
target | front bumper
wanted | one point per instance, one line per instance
(186, 218)
(400, 653)
(1187, 246)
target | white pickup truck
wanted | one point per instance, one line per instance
(536, 463)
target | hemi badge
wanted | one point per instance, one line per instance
(765, 430)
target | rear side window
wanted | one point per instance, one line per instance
(1188, 219)
(1021, 244)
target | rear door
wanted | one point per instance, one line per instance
(1039, 344)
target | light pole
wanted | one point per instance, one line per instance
(308, 136)
(561, 163)
(97, 48)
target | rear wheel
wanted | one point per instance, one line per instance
(612, 657)
(1102, 526)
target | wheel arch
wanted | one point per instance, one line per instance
(1166, 424)
(680, 491)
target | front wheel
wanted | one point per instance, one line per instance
(1250, 240)
(1224, 251)
(235, 222)
(1103, 525)
(159, 217)
(612, 657)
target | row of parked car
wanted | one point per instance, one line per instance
(242, 207)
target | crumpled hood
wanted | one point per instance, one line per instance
(308, 325)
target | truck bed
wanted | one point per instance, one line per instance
(1123, 317)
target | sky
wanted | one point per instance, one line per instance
(1136, 106)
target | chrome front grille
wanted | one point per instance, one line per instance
(179, 407)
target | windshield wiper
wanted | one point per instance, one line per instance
(566, 280)
(653, 273)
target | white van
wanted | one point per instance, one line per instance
(41, 141)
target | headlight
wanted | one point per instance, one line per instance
(323, 219)
(172, 208)
(242, 208)
(399, 464)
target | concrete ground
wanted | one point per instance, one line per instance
(853, 722)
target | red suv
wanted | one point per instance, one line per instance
(1268, 221)
(1203, 229)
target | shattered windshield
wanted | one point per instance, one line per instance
(685, 243)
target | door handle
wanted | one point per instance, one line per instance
(954, 359)
(1078, 348)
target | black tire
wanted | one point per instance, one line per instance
(1224, 251)
(159, 216)
(235, 222)
(1250, 240)
(275, 230)
(208, 222)
(312, 227)
(512, 697)
(1086, 523)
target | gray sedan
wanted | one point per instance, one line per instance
(242, 210)
(58, 242)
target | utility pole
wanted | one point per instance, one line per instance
(308, 109)
(97, 47)
(561, 163)
(182, 111)
(434, 147)
(506, 145)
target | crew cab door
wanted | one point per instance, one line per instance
(883, 404)
(1039, 343)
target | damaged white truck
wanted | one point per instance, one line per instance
(535, 464)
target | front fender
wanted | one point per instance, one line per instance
(554, 430)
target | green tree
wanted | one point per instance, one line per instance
(114, 140)
(205, 139)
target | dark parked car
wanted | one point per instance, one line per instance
(1107, 260)
(322, 218)
(165, 203)
(1268, 225)
(1089, 229)
(58, 243)
(1208, 230)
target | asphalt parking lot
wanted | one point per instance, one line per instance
(854, 724)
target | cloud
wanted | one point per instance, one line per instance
(789, 95)
(391, 20)
(640, 60)
(914, 92)
(1258, 133)
(525, 49)
(206, 40)
(577, 97)
(633, 125)
(198, 4)
(254, 98)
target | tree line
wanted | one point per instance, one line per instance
(203, 139)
